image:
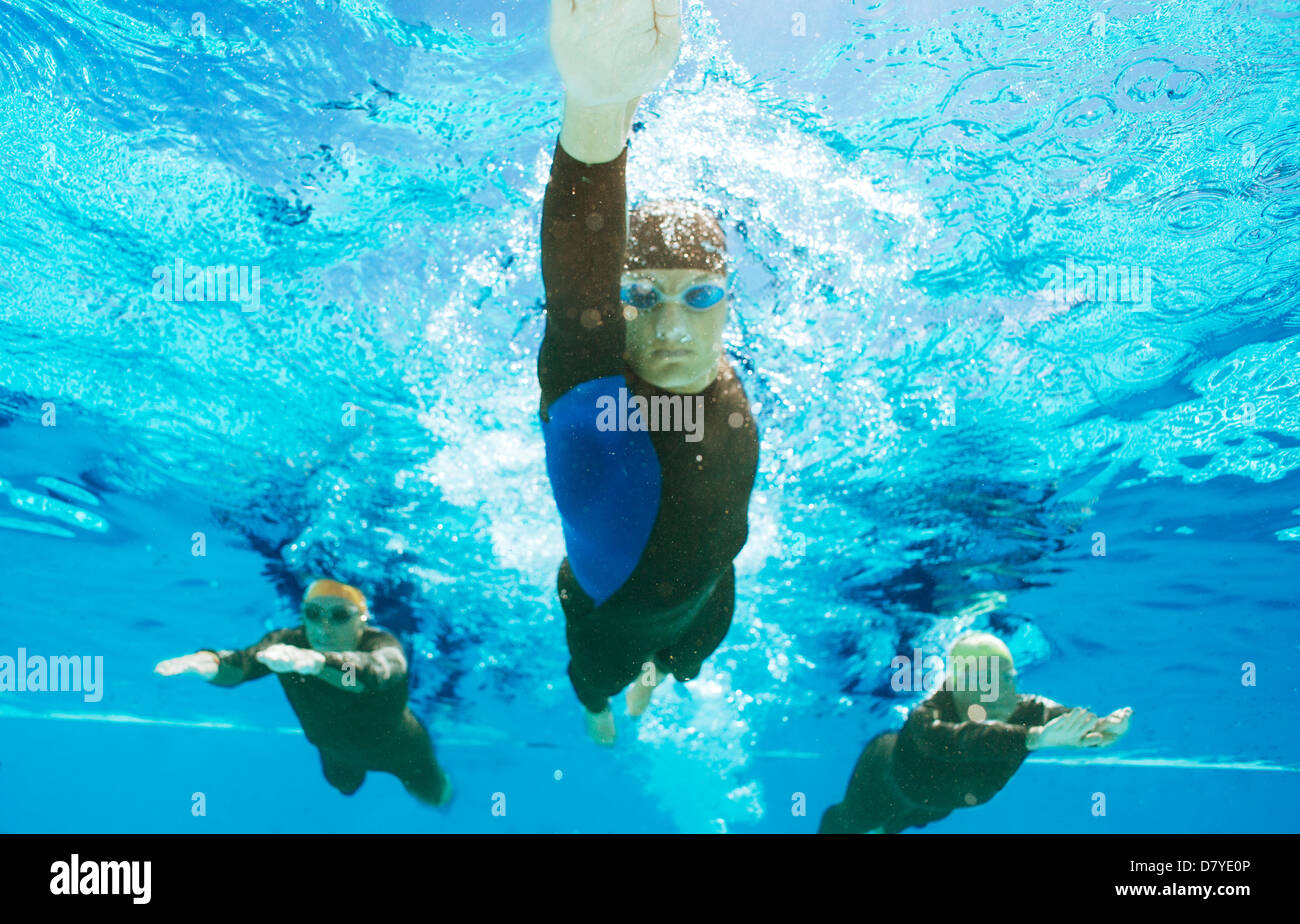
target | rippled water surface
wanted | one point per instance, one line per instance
(953, 419)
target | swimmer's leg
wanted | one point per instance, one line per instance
(341, 774)
(428, 782)
(704, 634)
(870, 801)
(602, 659)
(433, 788)
(833, 821)
(598, 669)
(639, 693)
(410, 757)
(600, 725)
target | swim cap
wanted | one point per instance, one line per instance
(671, 234)
(327, 588)
(975, 644)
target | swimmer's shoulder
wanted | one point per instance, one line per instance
(373, 639)
(938, 706)
(726, 393)
(289, 635)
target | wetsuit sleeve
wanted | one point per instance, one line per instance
(1050, 709)
(584, 236)
(379, 664)
(935, 738)
(238, 666)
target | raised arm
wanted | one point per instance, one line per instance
(609, 53)
(583, 239)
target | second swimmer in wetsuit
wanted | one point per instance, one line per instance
(347, 683)
(650, 445)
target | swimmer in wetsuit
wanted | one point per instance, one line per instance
(347, 683)
(650, 445)
(957, 749)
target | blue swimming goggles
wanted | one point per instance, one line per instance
(644, 295)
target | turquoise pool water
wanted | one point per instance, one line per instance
(954, 420)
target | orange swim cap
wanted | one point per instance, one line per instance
(327, 588)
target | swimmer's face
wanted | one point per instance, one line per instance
(1000, 709)
(670, 344)
(332, 623)
(994, 710)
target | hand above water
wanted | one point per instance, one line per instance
(614, 51)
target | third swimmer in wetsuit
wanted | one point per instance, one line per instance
(650, 446)
(958, 748)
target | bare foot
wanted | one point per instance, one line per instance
(638, 695)
(441, 802)
(447, 793)
(600, 726)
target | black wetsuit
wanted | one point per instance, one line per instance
(652, 520)
(355, 731)
(938, 762)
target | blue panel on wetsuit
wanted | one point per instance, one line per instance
(606, 485)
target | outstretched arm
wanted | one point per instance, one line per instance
(381, 667)
(609, 53)
(942, 740)
(1103, 732)
(938, 739)
(225, 668)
